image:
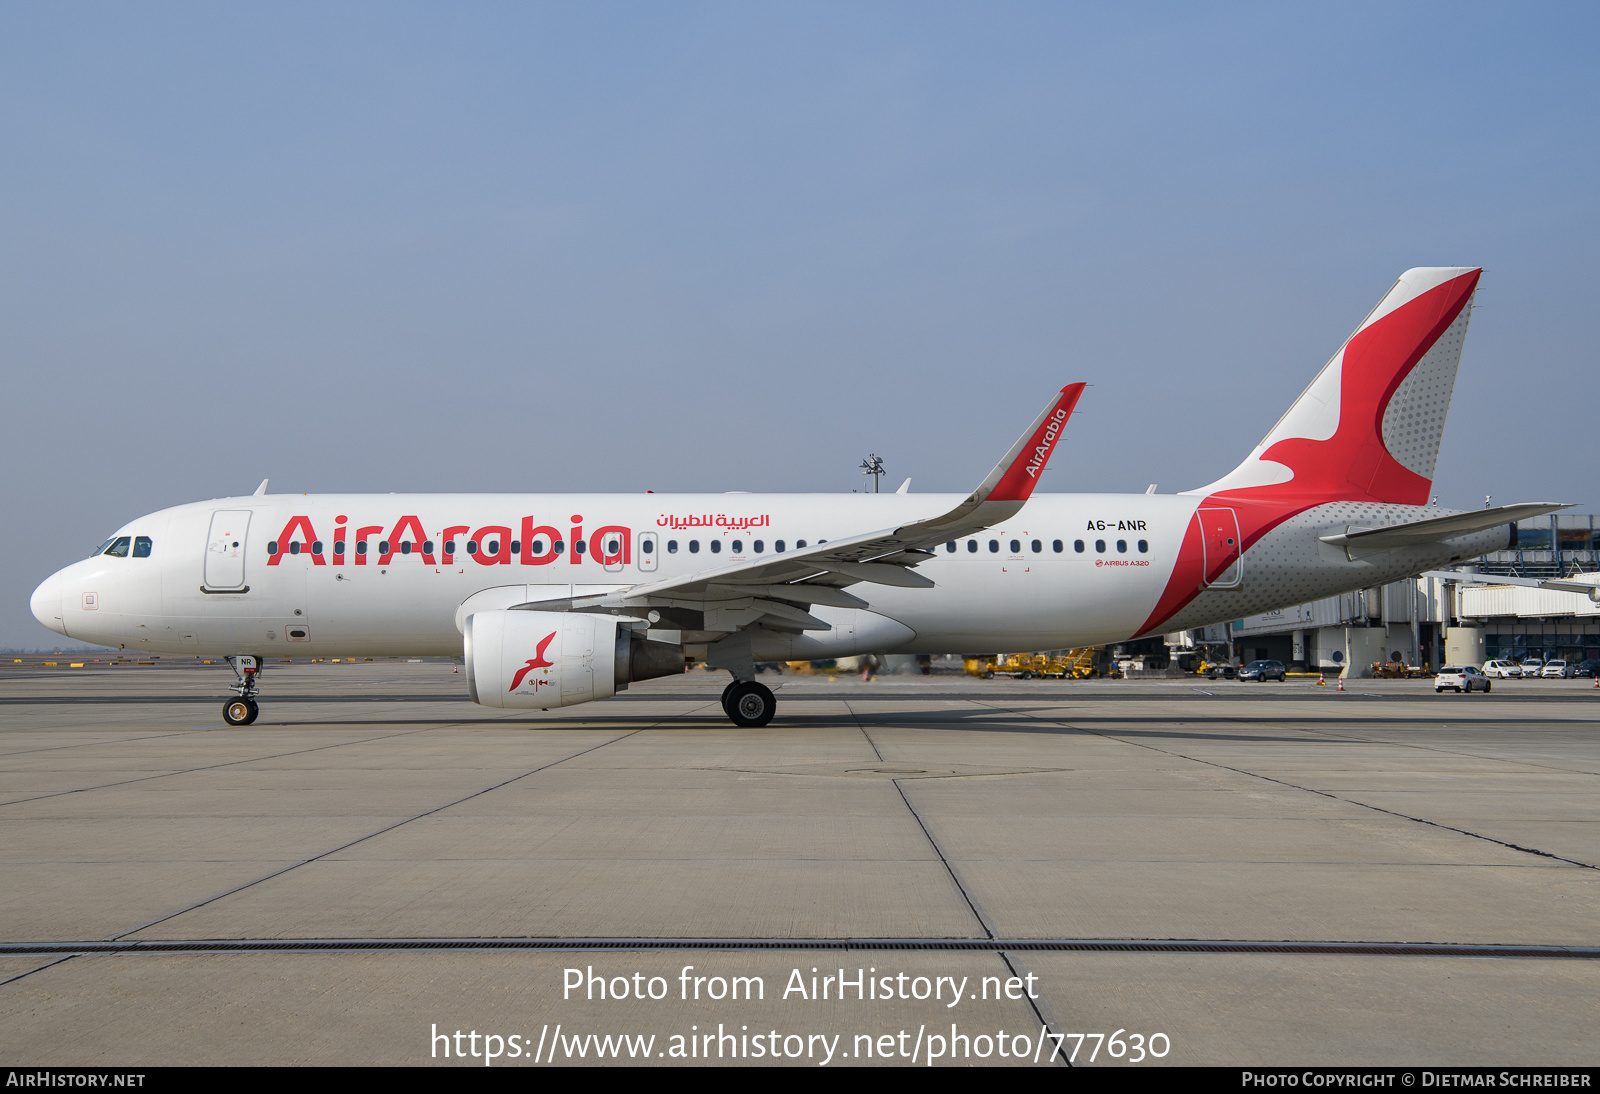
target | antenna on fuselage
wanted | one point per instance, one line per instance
(261, 490)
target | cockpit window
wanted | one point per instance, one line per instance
(119, 547)
(141, 547)
(100, 550)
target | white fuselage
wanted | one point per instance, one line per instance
(351, 575)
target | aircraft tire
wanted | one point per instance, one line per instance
(726, 693)
(751, 705)
(240, 712)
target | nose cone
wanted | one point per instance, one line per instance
(46, 604)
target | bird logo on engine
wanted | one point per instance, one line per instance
(537, 662)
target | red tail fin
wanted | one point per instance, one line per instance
(1368, 427)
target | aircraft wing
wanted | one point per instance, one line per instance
(1436, 529)
(778, 588)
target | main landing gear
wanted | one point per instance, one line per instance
(749, 704)
(243, 710)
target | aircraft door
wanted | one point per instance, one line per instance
(1222, 549)
(647, 551)
(225, 547)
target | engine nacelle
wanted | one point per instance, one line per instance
(555, 659)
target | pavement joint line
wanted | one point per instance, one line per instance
(69, 949)
(1280, 727)
(206, 767)
(110, 741)
(1324, 794)
(39, 968)
(369, 835)
(1041, 1009)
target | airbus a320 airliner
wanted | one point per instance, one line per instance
(556, 599)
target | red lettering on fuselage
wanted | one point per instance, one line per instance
(308, 537)
(418, 539)
(491, 545)
(532, 533)
(494, 545)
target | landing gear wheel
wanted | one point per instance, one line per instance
(240, 712)
(751, 705)
(727, 692)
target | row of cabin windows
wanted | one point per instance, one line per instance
(405, 547)
(1055, 545)
(758, 547)
(141, 547)
(122, 546)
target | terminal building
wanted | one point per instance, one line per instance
(1431, 622)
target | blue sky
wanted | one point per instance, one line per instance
(736, 246)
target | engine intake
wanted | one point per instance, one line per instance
(522, 659)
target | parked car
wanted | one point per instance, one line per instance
(1463, 678)
(1584, 669)
(1504, 670)
(1532, 667)
(1262, 671)
(1554, 670)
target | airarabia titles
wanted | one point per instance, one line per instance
(530, 543)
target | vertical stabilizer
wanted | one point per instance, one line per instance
(1368, 428)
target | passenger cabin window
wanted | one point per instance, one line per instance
(559, 546)
(119, 547)
(994, 546)
(778, 546)
(1100, 545)
(294, 547)
(361, 546)
(516, 546)
(758, 546)
(716, 546)
(648, 547)
(1122, 546)
(1016, 546)
(450, 547)
(972, 546)
(580, 546)
(338, 548)
(405, 547)
(141, 547)
(1144, 546)
(694, 546)
(1077, 545)
(383, 547)
(1055, 545)
(672, 546)
(799, 545)
(1037, 546)
(950, 548)
(738, 547)
(612, 547)
(472, 546)
(427, 547)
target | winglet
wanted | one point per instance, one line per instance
(1015, 476)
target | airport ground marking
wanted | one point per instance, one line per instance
(1307, 789)
(372, 835)
(1040, 1007)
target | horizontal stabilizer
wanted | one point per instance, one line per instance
(1438, 529)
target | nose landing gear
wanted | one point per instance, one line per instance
(243, 710)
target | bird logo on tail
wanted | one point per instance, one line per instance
(538, 661)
